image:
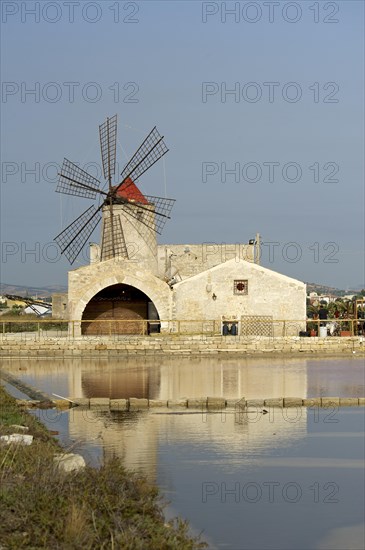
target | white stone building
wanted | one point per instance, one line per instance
(183, 288)
(133, 285)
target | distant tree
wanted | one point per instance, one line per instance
(312, 311)
(14, 311)
(345, 307)
(332, 308)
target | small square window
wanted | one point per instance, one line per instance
(240, 286)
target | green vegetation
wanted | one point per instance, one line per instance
(8, 414)
(345, 308)
(12, 321)
(106, 508)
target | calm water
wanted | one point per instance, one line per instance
(286, 482)
(174, 378)
(290, 479)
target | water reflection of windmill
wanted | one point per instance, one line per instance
(120, 205)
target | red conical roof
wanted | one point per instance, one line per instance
(130, 191)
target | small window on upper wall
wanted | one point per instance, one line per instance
(240, 286)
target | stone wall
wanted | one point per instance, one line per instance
(38, 346)
(185, 260)
(60, 306)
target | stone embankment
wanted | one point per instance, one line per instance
(34, 346)
(30, 391)
(207, 403)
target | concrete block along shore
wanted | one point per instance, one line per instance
(209, 404)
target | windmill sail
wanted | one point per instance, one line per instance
(75, 181)
(147, 214)
(113, 242)
(108, 141)
(149, 152)
(72, 239)
(162, 208)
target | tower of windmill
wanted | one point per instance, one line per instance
(130, 219)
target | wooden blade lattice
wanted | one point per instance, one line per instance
(162, 209)
(113, 242)
(151, 150)
(75, 181)
(108, 142)
(74, 236)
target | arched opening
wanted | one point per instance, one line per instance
(120, 309)
(123, 383)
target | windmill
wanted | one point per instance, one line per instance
(119, 204)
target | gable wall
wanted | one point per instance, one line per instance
(268, 294)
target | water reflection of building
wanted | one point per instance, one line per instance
(115, 383)
(127, 436)
(191, 377)
(173, 378)
(233, 378)
(168, 378)
(138, 438)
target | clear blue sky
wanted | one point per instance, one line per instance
(171, 63)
